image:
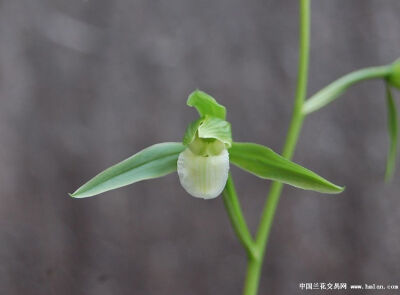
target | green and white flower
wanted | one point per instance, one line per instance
(202, 159)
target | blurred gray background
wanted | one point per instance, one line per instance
(85, 84)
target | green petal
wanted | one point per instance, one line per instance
(152, 162)
(191, 131)
(216, 128)
(393, 131)
(209, 128)
(206, 105)
(265, 163)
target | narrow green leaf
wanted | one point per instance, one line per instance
(393, 131)
(152, 162)
(265, 163)
(206, 105)
(209, 128)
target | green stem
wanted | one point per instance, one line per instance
(336, 88)
(255, 264)
(392, 124)
(239, 224)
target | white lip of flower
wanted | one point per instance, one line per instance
(203, 176)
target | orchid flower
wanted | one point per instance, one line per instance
(202, 159)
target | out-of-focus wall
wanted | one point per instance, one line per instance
(84, 84)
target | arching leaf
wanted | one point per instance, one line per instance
(265, 163)
(152, 162)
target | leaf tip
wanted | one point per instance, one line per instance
(340, 189)
(75, 195)
(335, 189)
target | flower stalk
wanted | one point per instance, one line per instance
(255, 264)
(237, 219)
